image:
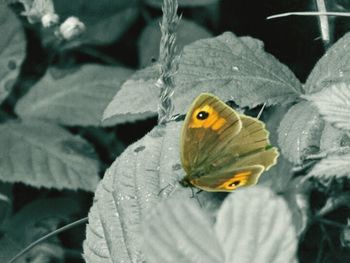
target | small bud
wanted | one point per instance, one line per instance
(49, 20)
(35, 10)
(71, 28)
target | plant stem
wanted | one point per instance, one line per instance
(324, 24)
(309, 14)
(168, 60)
(57, 231)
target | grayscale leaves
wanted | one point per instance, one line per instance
(147, 172)
(252, 225)
(12, 49)
(333, 166)
(299, 132)
(333, 104)
(333, 67)
(45, 155)
(148, 44)
(233, 68)
(76, 98)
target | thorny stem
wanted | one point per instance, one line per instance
(168, 60)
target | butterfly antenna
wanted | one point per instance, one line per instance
(261, 111)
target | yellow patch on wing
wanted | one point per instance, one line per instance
(214, 121)
(239, 179)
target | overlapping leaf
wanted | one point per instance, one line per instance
(333, 104)
(228, 66)
(336, 165)
(147, 172)
(252, 225)
(148, 44)
(137, 98)
(78, 98)
(44, 155)
(12, 49)
(332, 67)
(300, 132)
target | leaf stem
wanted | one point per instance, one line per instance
(168, 60)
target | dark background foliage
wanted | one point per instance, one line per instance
(294, 40)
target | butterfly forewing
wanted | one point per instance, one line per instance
(208, 125)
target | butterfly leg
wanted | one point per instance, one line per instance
(194, 195)
(173, 189)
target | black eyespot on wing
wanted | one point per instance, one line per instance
(202, 115)
(235, 183)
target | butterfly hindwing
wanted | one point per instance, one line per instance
(229, 179)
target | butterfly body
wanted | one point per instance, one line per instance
(222, 149)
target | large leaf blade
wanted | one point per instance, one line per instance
(179, 231)
(228, 66)
(128, 190)
(254, 225)
(78, 98)
(44, 155)
(147, 172)
(331, 68)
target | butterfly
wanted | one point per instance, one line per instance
(222, 149)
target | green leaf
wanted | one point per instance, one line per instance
(228, 66)
(331, 68)
(12, 49)
(183, 3)
(333, 103)
(147, 172)
(333, 166)
(149, 40)
(105, 20)
(252, 225)
(300, 132)
(78, 98)
(44, 155)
